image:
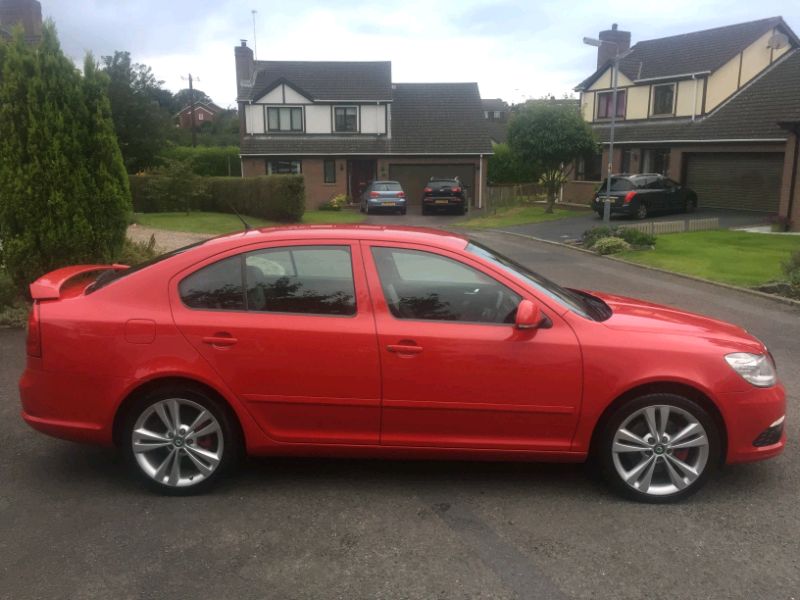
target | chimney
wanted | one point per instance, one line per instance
(27, 13)
(244, 63)
(606, 52)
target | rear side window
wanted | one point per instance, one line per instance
(618, 184)
(215, 287)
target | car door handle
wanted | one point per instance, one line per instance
(220, 340)
(404, 349)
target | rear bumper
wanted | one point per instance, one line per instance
(67, 406)
(748, 416)
(616, 209)
(433, 202)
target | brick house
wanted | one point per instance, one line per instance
(27, 13)
(203, 113)
(712, 109)
(344, 124)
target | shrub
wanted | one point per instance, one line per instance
(610, 245)
(134, 253)
(595, 233)
(335, 203)
(8, 291)
(792, 269)
(15, 315)
(208, 161)
(635, 237)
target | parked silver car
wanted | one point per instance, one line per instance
(383, 196)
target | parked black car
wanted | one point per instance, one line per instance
(444, 193)
(383, 195)
(641, 195)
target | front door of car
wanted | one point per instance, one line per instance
(456, 371)
(289, 328)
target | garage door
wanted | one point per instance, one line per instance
(413, 178)
(745, 181)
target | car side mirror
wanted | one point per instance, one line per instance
(529, 316)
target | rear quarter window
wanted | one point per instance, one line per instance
(215, 287)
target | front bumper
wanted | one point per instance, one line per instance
(749, 417)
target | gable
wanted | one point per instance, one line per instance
(284, 93)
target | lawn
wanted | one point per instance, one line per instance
(735, 257)
(214, 223)
(519, 215)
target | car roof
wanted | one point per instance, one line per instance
(411, 235)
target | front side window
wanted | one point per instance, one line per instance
(345, 118)
(284, 167)
(425, 286)
(330, 171)
(663, 99)
(301, 279)
(284, 118)
(604, 102)
(215, 287)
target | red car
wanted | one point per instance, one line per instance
(367, 341)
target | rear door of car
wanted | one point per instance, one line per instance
(289, 327)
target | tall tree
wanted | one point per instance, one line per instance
(140, 109)
(550, 134)
(183, 98)
(63, 197)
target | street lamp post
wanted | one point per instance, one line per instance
(614, 87)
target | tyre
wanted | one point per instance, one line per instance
(179, 440)
(691, 205)
(658, 448)
(641, 211)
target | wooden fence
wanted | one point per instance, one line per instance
(659, 227)
(503, 196)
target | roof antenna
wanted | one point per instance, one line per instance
(247, 226)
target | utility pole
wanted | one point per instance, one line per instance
(255, 41)
(191, 109)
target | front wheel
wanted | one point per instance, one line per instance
(659, 448)
(180, 441)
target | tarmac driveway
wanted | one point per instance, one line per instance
(74, 526)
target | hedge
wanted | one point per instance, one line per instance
(272, 197)
(208, 161)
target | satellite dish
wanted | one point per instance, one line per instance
(778, 41)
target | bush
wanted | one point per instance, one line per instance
(208, 161)
(8, 291)
(16, 315)
(595, 233)
(610, 245)
(792, 269)
(336, 203)
(635, 237)
(134, 253)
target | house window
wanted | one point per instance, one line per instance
(200, 116)
(663, 99)
(284, 167)
(284, 118)
(604, 100)
(345, 118)
(330, 171)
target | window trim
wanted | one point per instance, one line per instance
(622, 98)
(671, 113)
(345, 106)
(325, 163)
(269, 107)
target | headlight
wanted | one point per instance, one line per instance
(757, 369)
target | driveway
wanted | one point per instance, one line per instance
(73, 526)
(572, 228)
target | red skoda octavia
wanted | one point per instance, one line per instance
(387, 342)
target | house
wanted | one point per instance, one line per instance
(203, 113)
(27, 13)
(496, 113)
(712, 109)
(344, 124)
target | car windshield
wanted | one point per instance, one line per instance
(618, 184)
(442, 183)
(387, 186)
(108, 276)
(578, 302)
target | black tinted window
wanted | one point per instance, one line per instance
(618, 184)
(215, 287)
(422, 285)
(301, 279)
(439, 183)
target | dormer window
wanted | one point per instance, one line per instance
(604, 101)
(345, 119)
(664, 99)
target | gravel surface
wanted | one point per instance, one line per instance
(165, 240)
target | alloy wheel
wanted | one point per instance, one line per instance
(641, 212)
(660, 450)
(177, 442)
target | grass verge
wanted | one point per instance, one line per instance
(519, 215)
(216, 223)
(734, 257)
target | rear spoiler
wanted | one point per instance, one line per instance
(48, 287)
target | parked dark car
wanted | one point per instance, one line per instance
(641, 195)
(383, 196)
(444, 193)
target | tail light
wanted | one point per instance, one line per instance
(374, 194)
(401, 194)
(33, 345)
(427, 190)
(629, 196)
(456, 190)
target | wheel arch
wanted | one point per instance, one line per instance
(664, 387)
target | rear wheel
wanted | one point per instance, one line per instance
(641, 210)
(691, 205)
(659, 448)
(180, 441)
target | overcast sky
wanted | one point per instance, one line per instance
(513, 48)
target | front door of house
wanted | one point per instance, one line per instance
(359, 175)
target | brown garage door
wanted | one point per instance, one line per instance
(413, 178)
(740, 180)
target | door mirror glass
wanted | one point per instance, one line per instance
(528, 315)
